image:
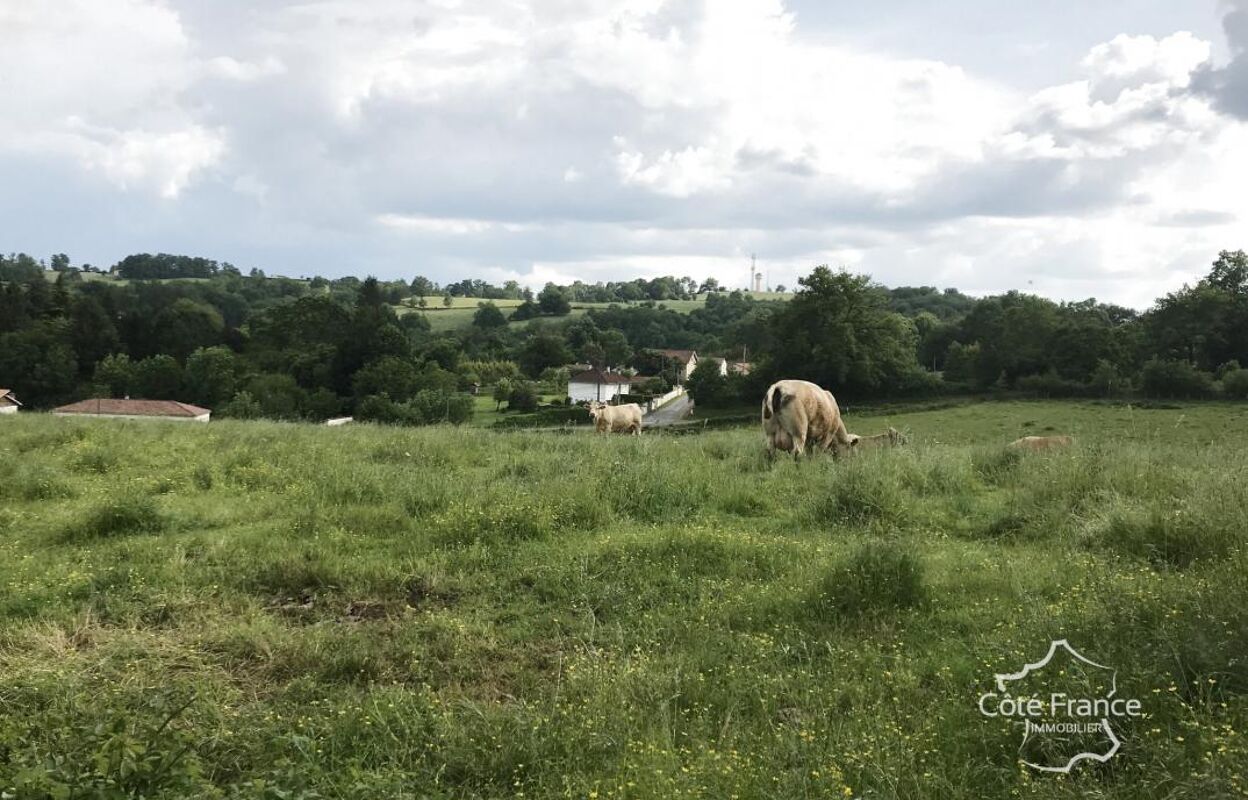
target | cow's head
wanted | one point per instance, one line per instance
(595, 409)
(896, 437)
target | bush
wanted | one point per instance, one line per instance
(241, 406)
(1050, 384)
(1235, 384)
(549, 416)
(523, 397)
(1106, 381)
(1166, 378)
(428, 407)
(435, 406)
(877, 576)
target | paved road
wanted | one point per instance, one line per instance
(673, 412)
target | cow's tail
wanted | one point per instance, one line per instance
(774, 402)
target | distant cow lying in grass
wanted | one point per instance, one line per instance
(799, 414)
(1041, 442)
(616, 419)
(890, 438)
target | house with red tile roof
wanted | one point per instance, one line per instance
(681, 363)
(134, 409)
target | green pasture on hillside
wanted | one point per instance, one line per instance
(267, 610)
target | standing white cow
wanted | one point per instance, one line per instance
(798, 414)
(615, 419)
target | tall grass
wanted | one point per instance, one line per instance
(268, 610)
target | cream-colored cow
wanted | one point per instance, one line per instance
(1035, 443)
(800, 414)
(616, 419)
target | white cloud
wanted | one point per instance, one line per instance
(604, 139)
(98, 81)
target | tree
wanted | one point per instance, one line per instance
(278, 395)
(551, 300)
(526, 310)
(211, 376)
(543, 350)
(92, 333)
(158, 378)
(447, 301)
(115, 375)
(709, 286)
(38, 364)
(781, 288)
(502, 391)
(707, 387)
(241, 406)
(616, 350)
(962, 363)
(488, 317)
(388, 375)
(60, 262)
(187, 325)
(523, 397)
(422, 287)
(837, 331)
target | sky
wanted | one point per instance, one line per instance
(1070, 149)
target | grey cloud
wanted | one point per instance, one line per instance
(1228, 85)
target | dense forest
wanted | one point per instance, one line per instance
(249, 345)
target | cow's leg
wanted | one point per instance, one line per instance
(799, 446)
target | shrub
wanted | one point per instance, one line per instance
(242, 406)
(523, 397)
(426, 408)
(1165, 378)
(877, 576)
(1235, 384)
(1050, 384)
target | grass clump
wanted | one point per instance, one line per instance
(118, 516)
(863, 493)
(1178, 537)
(877, 576)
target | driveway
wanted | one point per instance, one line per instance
(669, 414)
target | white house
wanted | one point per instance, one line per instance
(721, 364)
(8, 403)
(594, 384)
(134, 409)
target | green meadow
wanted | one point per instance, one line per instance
(458, 315)
(268, 610)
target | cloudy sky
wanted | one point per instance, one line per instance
(1069, 148)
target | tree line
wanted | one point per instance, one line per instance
(250, 345)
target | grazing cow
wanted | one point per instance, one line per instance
(1035, 443)
(616, 419)
(799, 414)
(890, 438)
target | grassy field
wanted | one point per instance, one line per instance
(459, 314)
(263, 610)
